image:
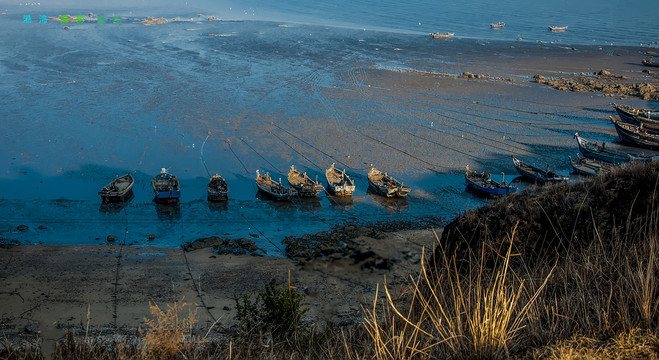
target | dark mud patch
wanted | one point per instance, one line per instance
(8, 243)
(222, 246)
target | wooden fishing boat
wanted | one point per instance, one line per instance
(585, 166)
(385, 185)
(442, 35)
(166, 188)
(483, 184)
(600, 152)
(649, 118)
(303, 184)
(339, 183)
(557, 28)
(650, 62)
(119, 190)
(498, 25)
(636, 135)
(274, 189)
(217, 188)
(535, 174)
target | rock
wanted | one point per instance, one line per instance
(21, 227)
(110, 238)
(226, 308)
(151, 237)
(31, 329)
(604, 73)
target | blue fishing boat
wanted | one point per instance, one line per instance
(483, 184)
(166, 188)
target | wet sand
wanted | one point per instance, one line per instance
(49, 289)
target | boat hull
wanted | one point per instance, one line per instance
(167, 197)
(118, 190)
(535, 174)
(595, 151)
(478, 185)
(635, 136)
(389, 191)
(341, 191)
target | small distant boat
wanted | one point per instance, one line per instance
(636, 135)
(441, 36)
(166, 188)
(535, 174)
(339, 183)
(600, 152)
(274, 189)
(482, 183)
(305, 186)
(585, 166)
(217, 188)
(557, 28)
(498, 25)
(120, 189)
(649, 118)
(385, 185)
(650, 62)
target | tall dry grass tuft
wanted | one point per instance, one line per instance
(169, 334)
(477, 315)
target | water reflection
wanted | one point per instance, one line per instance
(391, 205)
(115, 207)
(168, 212)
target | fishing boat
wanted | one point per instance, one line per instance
(385, 185)
(600, 152)
(217, 188)
(274, 189)
(442, 35)
(636, 135)
(119, 190)
(535, 174)
(303, 184)
(498, 25)
(483, 184)
(166, 188)
(339, 183)
(650, 62)
(585, 166)
(557, 28)
(649, 118)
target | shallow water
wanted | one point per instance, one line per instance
(80, 107)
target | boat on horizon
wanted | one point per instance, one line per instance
(217, 188)
(650, 62)
(303, 184)
(636, 135)
(442, 35)
(118, 190)
(273, 189)
(166, 188)
(585, 166)
(385, 185)
(535, 174)
(498, 25)
(557, 28)
(482, 183)
(338, 182)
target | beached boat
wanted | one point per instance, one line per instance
(274, 189)
(166, 187)
(585, 166)
(305, 186)
(482, 183)
(636, 135)
(442, 35)
(557, 28)
(649, 118)
(385, 185)
(338, 182)
(217, 188)
(498, 25)
(600, 152)
(535, 174)
(120, 189)
(650, 62)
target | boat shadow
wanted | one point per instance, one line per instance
(391, 205)
(341, 203)
(277, 205)
(168, 212)
(311, 204)
(115, 207)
